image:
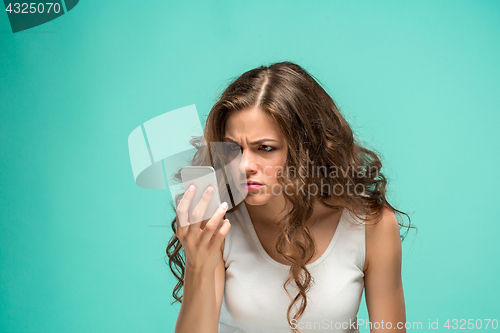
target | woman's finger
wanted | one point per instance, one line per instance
(220, 235)
(213, 223)
(182, 210)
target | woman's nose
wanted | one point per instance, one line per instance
(248, 163)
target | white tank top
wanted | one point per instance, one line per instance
(254, 299)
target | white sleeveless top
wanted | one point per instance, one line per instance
(255, 300)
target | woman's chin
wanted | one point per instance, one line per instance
(257, 200)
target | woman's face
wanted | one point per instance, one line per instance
(263, 152)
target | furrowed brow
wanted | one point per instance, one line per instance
(258, 142)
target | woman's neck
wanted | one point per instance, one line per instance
(269, 213)
(272, 211)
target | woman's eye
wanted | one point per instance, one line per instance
(267, 149)
(234, 147)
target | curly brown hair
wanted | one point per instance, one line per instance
(316, 134)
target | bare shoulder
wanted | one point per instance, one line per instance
(388, 224)
(383, 240)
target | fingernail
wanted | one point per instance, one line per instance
(191, 188)
(224, 205)
(209, 190)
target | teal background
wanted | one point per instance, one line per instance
(82, 247)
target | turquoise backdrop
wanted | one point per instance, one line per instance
(82, 247)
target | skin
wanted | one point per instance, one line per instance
(205, 273)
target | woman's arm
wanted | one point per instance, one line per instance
(202, 300)
(204, 270)
(383, 285)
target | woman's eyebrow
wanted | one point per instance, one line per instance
(258, 142)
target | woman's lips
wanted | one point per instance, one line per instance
(252, 186)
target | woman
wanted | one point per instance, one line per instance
(297, 253)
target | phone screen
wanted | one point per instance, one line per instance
(201, 177)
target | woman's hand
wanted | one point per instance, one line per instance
(201, 242)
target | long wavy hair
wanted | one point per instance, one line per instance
(317, 135)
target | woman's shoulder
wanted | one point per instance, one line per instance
(383, 241)
(386, 225)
